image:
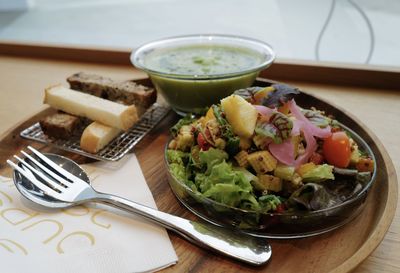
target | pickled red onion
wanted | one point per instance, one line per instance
(284, 152)
(266, 111)
(311, 147)
(314, 130)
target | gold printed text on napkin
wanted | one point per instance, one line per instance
(55, 231)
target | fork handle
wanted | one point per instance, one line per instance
(248, 249)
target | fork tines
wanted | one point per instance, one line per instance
(43, 172)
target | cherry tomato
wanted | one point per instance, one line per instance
(316, 158)
(204, 145)
(280, 208)
(337, 150)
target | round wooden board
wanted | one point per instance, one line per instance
(337, 251)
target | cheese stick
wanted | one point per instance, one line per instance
(80, 104)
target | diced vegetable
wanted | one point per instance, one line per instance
(185, 138)
(305, 168)
(284, 172)
(261, 141)
(245, 143)
(268, 182)
(365, 165)
(262, 162)
(241, 159)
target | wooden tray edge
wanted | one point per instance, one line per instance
(383, 223)
(385, 220)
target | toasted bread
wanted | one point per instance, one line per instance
(104, 111)
(96, 136)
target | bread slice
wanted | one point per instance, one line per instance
(126, 92)
(62, 126)
(80, 104)
(96, 136)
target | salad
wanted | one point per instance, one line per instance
(258, 150)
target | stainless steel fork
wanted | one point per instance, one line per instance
(59, 184)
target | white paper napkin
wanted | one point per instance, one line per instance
(88, 238)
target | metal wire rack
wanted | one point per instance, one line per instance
(116, 149)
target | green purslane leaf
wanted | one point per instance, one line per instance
(232, 141)
(269, 202)
(186, 120)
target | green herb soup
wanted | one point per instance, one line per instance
(194, 77)
(202, 60)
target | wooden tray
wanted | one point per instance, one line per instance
(338, 251)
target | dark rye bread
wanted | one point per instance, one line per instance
(127, 92)
(62, 125)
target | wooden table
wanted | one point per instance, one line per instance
(23, 79)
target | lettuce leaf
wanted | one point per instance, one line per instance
(319, 173)
(222, 183)
(179, 171)
(312, 196)
(212, 157)
(222, 173)
(176, 156)
(232, 195)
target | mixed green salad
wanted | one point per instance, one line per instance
(258, 150)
